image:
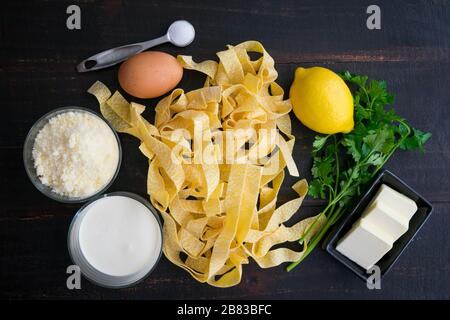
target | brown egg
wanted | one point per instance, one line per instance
(150, 74)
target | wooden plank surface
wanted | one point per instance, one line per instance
(38, 53)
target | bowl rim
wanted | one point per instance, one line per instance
(131, 195)
(35, 179)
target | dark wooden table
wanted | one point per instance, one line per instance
(37, 73)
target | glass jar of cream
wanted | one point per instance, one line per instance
(116, 239)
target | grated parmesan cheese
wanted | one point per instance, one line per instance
(76, 154)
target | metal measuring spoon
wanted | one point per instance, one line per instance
(180, 33)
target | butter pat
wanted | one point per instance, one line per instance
(399, 206)
(363, 246)
(382, 223)
(382, 216)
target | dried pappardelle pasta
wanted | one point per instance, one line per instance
(218, 212)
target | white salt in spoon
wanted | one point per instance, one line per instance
(180, 33)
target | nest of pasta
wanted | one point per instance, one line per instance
(216, 165)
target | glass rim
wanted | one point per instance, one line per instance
(46, 190)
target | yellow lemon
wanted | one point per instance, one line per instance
(322, 101)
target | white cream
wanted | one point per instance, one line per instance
(119, 236)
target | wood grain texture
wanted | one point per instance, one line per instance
(37, 74)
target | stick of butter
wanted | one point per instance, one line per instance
(400, 206)
(380, 214)
(382, 223)
(363, 246)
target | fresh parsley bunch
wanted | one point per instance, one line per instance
(344, 163)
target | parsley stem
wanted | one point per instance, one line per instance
(316, 239)
(331, 204)
(332, 193)
(365, 92)
(312, 225)
(336, 157)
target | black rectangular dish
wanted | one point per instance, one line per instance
(423, 212)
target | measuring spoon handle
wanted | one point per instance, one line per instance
(113, 56)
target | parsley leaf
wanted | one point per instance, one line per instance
(319, 142)
(416, 140)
